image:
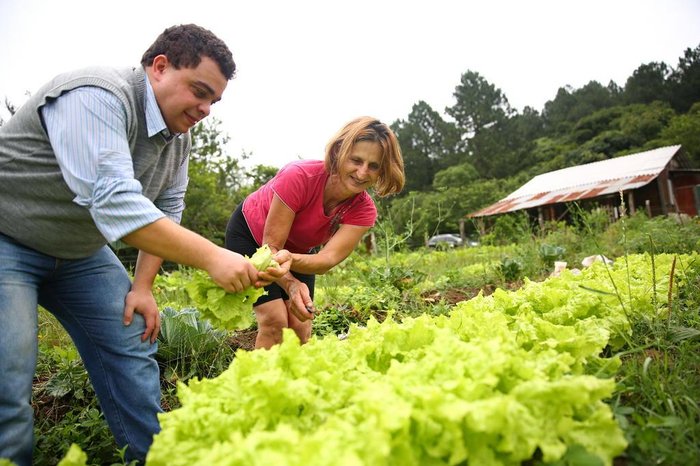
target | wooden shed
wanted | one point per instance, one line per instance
(659, 181)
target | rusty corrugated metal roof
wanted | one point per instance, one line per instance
(585, 181)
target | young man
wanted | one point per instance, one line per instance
(95, 156)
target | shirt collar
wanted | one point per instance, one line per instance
(154, 119)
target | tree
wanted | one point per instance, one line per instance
(592, 125)
(455, 176)
(548, 154)
(428, 144)
(571, 105)
(644, 122)
(685, 81)
(217, 182)
(208, 151)
(603, 134)
(647, 84)
(260, 174)
(615, 130)
(505, 147)
(479, 104)
(684, 130)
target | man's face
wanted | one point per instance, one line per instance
(185, 95)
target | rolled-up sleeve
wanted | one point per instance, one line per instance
(87, 130)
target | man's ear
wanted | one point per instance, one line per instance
(159, 65)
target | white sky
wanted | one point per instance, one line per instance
(307, 67)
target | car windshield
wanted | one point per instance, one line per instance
(446, 237)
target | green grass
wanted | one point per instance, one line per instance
(657, 402)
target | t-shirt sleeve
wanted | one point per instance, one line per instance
(291, 186)
(363, 213)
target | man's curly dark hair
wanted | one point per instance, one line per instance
(186, 44)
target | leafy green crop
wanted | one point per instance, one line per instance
(75, 457)
(503, 379)
(230, 311)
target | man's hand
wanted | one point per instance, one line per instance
(231, 271)
(143, 302)
(272, 274)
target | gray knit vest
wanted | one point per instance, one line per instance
(36, 205)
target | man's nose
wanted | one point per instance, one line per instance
(205, 108)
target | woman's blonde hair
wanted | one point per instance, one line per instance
(391, 177)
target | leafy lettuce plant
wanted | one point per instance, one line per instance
(230, 311)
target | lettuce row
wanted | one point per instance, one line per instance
(497, 381)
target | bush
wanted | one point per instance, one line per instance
(638, 234)
(508, 229)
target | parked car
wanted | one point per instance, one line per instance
(449, 240)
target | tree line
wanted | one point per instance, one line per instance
(481, 148)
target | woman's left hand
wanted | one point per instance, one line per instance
(272, 274)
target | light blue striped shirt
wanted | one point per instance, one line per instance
(87, 130)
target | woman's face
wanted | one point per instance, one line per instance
(361, 168)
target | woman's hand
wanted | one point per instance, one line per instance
(300, 303)
(272, 274)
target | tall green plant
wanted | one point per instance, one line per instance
(189, 346)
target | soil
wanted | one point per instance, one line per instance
(456, 295)
(243, 339)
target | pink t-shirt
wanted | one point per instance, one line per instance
(300, 186)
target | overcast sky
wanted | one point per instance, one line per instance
(307, 67)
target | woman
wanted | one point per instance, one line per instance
(312, 203)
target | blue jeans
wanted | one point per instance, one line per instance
(87, 297)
